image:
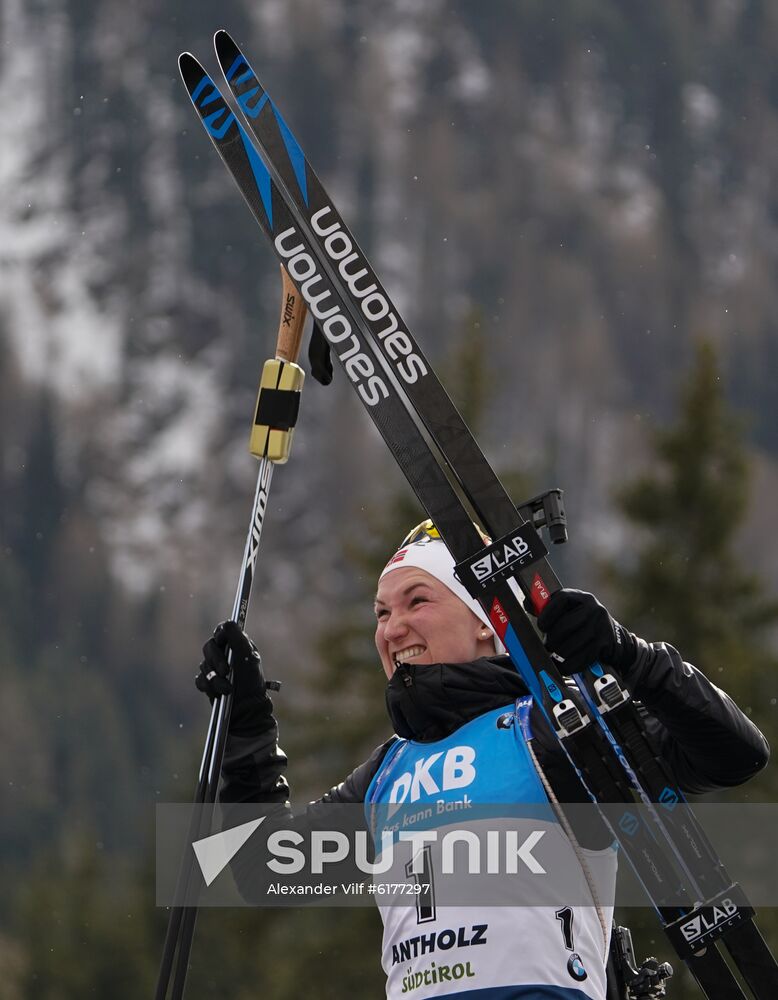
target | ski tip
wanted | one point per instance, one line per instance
(226, 49)
(185, 61)
(190, 69)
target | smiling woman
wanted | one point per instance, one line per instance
(419, 620)
(468, 737)
(422, 609)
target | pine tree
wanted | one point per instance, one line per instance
(689, 584)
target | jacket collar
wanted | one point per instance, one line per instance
(427, 702)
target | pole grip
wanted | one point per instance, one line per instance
(292, 321)
(278, 398)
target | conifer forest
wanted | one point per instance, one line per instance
(574, 205)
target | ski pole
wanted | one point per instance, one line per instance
(275, 416)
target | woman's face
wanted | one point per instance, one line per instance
(419, 620)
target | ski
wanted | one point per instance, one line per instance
(345, 309)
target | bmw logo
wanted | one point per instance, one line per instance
(575, 967)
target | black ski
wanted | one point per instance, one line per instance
(349, 307)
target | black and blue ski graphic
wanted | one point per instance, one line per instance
(220, 122)
(252, 101)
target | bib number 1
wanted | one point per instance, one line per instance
(422, 877)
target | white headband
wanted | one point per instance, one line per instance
(431, 555)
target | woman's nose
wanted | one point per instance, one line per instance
(395, 626)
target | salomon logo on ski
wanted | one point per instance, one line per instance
(335, 326)
(372, 300)
(669, 798)
(629, 824)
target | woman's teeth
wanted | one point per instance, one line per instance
(408, 654)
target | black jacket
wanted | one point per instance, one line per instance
(697, 728)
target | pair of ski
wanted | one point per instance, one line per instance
(699, 907)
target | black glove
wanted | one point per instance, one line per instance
(319, 356)
(248, 683)
(580, 630)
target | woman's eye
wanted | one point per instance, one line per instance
(381, 614)
(418, 600)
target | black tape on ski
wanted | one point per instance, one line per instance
(278, 408)
(501, 559)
